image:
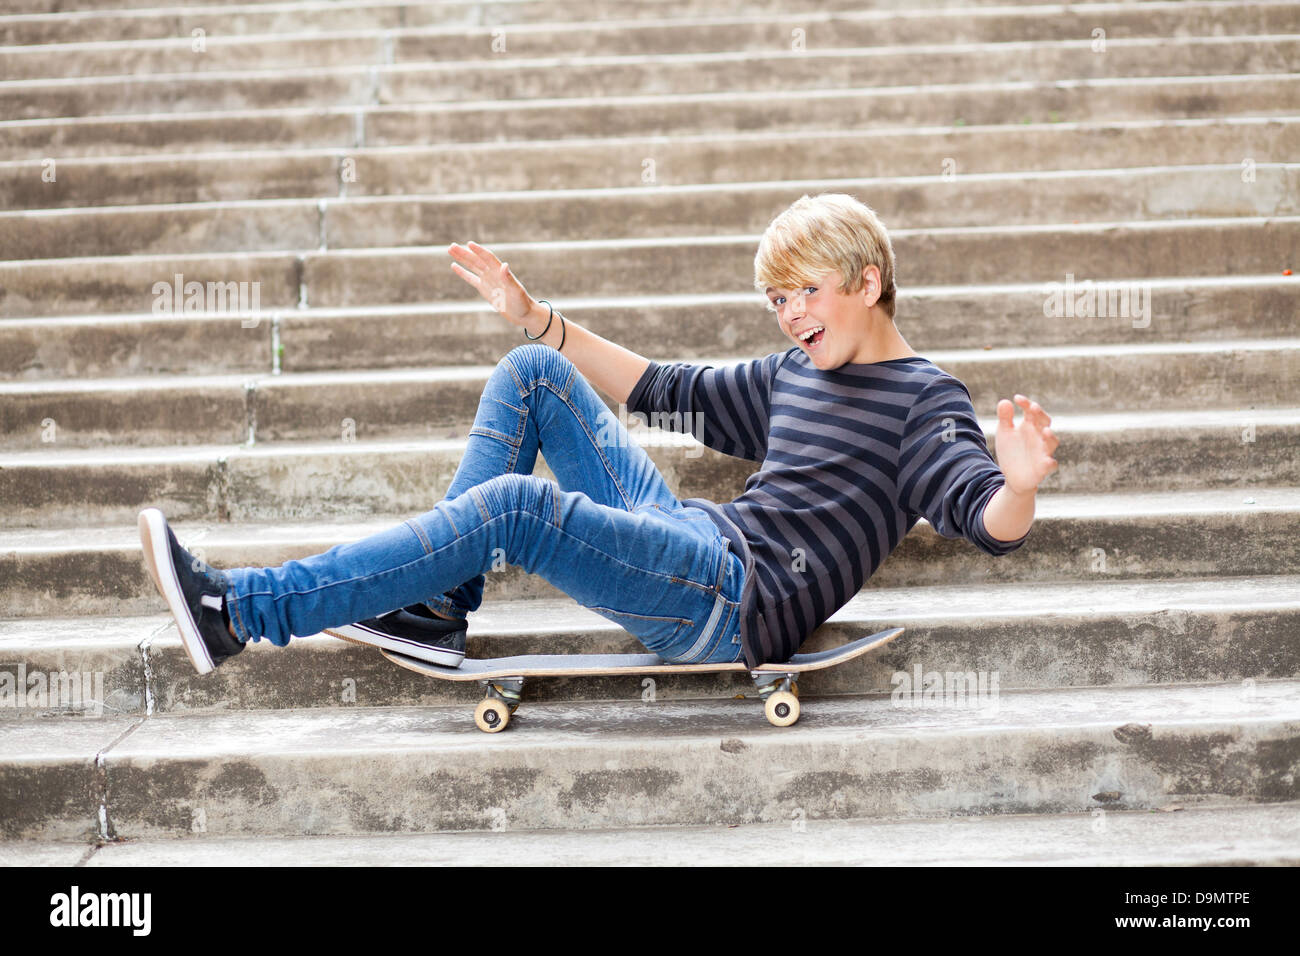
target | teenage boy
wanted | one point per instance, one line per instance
(857, 438)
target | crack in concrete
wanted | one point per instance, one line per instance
(104, 833)
(250, 411)
(220, 489)
(320, 224)
(276, 347)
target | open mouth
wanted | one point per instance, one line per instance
(812, 337)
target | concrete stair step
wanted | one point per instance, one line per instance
(1171, 451)
(457, 169)
(67, 21)
(930, 202)
(624, 764)
(237, 48)
(1075, 634)
(493, 11)
(1128, 98)
(499, 78)
(1256, 835)
(268, 283)
(442, 402)
(1130, 536)
(946, 317)
(117, 22)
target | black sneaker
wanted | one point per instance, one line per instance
(194, 592)
(414, 631)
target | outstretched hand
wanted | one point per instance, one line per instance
(493, 279)
(1025, 449)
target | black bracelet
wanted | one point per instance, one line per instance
(563, 331)
(550, 318)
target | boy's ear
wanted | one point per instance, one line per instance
(871, 286)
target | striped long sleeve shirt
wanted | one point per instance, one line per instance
(851, 459)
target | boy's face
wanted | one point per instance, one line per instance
(839, 322)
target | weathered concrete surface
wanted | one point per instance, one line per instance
(1056, 635)
(547, 76)
(1261, 835)
(687, 327)
(441, 402)
(148, 410)
(1076, 538)
(32, 853)
(935, 257)
(99, 347)
(580, 766)
(78, 666)
(50, 787)
(473, 14)
(370, 277)
(271, 225)
(456, 169)
(1124, 581)
(117, 20)
(363, 43)
(300, 481)
(1188, 192)
(571, 118)
(133, 284)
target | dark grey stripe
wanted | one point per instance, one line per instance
(850, 460)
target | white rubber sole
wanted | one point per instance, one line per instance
(158, 559)
(360, 634)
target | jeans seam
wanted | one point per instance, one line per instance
(610, 470)
(576, 541)
(451, 521)
(419, 533)
(707, 589)
(642, 617)
(346, 581)
(237, 617)
(712, 635)
(480, 504)
(564, 391)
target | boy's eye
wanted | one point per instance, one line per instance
(779, 299)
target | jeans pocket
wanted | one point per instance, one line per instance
(655, 632)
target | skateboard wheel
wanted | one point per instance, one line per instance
(492, 715)
(782, 708)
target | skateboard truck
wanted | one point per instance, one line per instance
(500, 700)
(780, 695)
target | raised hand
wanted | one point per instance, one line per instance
(494, 281)
(1025, 449)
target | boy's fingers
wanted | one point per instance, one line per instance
(1006, 413)
(468, 276)
(467, 256)
(463, 257)
(484, 253)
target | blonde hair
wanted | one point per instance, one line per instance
(818, 234)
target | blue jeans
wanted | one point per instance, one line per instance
(610, 534)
